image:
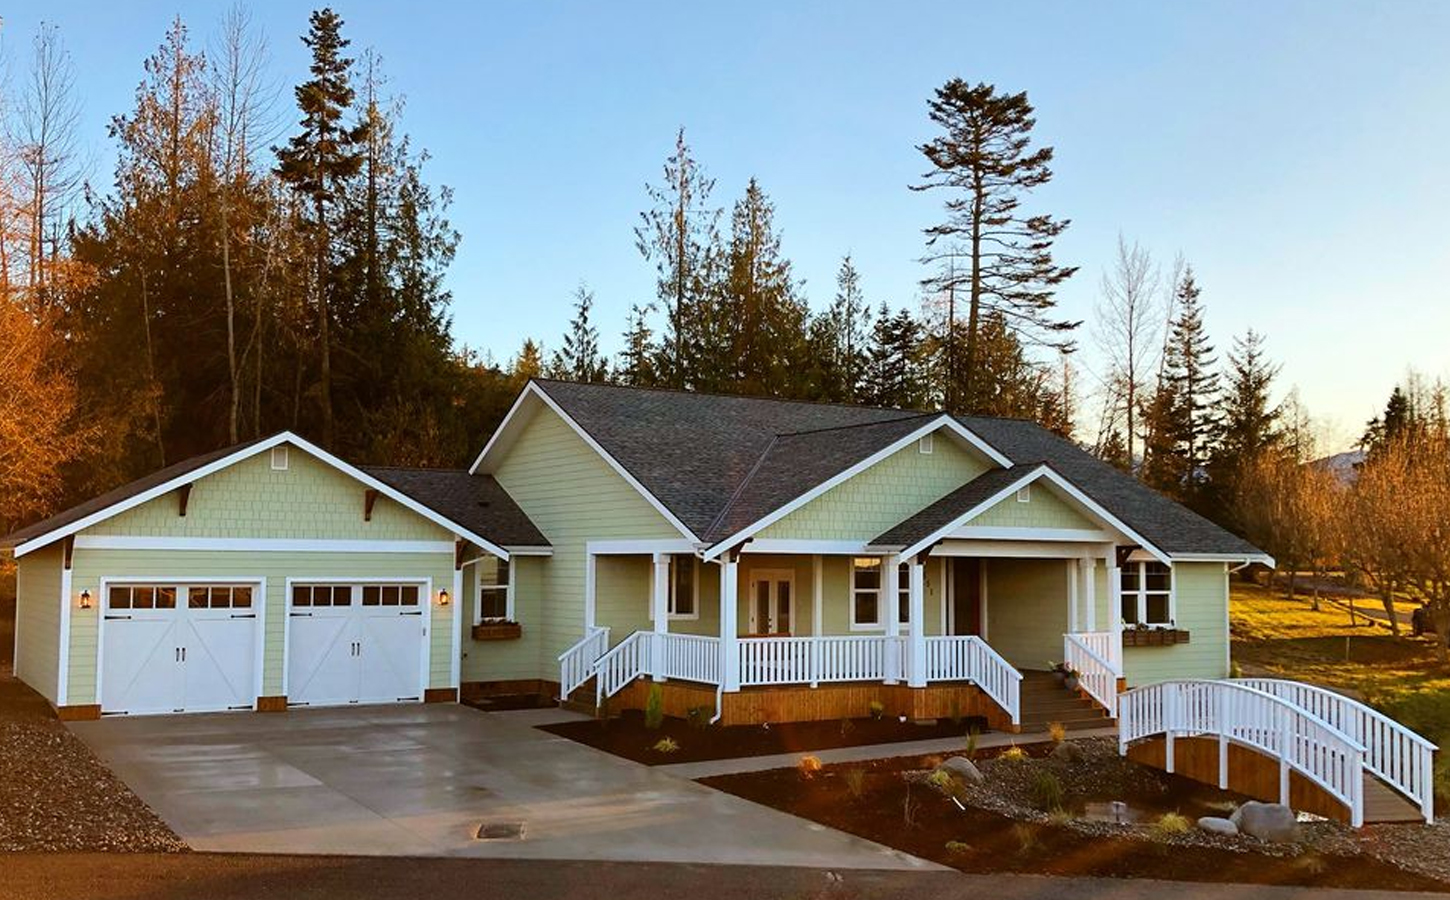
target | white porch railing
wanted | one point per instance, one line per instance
(969, 658)
(691, 657)
(627, 661)
(1105, 645)
(815, 660)
(1396, 755)
(1095, 673)
(576, 665)
(1236, 712)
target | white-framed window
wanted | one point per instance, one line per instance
(142, 596)
(322, 595)
(1147, 593)
(219, 596)
(865, 592)
(925, 444)
(279, 457)
(684, 587)
(495, 591)
(903, 593)
(1024, 494)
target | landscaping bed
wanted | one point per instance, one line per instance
(55, 794)
(1001, 824)
(627, 736)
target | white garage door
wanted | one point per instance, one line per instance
(179, 647)
(355, 643)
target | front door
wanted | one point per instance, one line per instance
(772, 601)
(965, 578)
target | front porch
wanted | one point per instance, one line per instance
(948, 635)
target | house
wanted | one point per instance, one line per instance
(918, 560)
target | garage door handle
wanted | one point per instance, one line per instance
(118, 617)
(244, 615)
(300, 615)
(416, 612)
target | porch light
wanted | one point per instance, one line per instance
(442, 598)
(85, 599)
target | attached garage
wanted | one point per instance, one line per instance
(355, 643)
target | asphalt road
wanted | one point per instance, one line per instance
(214, 876)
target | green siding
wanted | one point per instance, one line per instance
(1202, 603)
(1027, 612)
(90, 566)
(1045, 509)
(508, 660)
(574, 496)
(37, 619)
(872, 501)
(309, 499)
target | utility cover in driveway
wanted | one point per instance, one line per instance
(500, 831)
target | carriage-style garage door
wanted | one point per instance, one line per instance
(179, 646)
(355, 643)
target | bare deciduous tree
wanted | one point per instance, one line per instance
(1127, 328)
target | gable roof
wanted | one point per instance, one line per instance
(149, 487)
(948, 509)
(715, 461)
(477, 502)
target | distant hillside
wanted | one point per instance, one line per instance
(1343, 465)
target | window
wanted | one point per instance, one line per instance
(279, 458)
(390, 595)
(924, 445)
(494, 596)
(321, 595)
(219, 596)
(142, 596)
(903, 593)
(1147, 593)
(865, 592)
(682, 587)
(1024, 494)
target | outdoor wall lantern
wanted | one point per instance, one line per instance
(85, 599)
(442, 598)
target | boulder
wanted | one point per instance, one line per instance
(962, 768)
(1215, 825)
(1067, 751)
(1267, 821)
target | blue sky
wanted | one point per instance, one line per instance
(1298, 154)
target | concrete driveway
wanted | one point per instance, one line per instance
(420, 780)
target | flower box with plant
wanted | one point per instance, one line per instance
(1142, 634)
(497, 630)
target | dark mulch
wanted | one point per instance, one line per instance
(626, 736)
(885, 805)
(505, 702)
(56, 795)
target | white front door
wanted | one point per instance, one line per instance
(772, 601)
(355, 643)
(178, 647)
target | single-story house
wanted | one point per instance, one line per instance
(765, 559)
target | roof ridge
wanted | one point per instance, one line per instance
(879, 422)
(413, 469)
(740, 488)
(838, 404)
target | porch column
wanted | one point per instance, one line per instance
(1089, 568)
(729, 630)
(660, 604)
(916, 627)
(890, 586)
(1115, 608)
(1074, 570)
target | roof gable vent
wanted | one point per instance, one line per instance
(279, 458)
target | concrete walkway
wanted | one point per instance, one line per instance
(420, 780)
(870, 751)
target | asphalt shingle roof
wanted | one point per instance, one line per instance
(719, 463)
(477, 502)
(941, 513)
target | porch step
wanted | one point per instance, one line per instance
(1045, 700)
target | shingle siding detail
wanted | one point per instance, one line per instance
(37, 619)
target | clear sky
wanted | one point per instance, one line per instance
(1298, 154)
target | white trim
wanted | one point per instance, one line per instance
(258, 545)
(508, 593)
(455, 662)
(426, 601)
(925, 445)
(805, 546)
(1141, 594)
(590, 590)
(1245, 558)
(851, 591)
(982, 613)
(258, 655)
(62, 672)
(1024, 494)
(285, 437)
(1022, 533)
(818, 593)
(774, 576)
(931, 427)
(533, 390)
(529, 551)
(1011, 549)
(279, 455)
(642, 546)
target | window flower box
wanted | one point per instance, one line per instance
(498, 631)
(1154, 637)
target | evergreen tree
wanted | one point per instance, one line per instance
(636, 360)
(1181, 423)
(578, 357)
(845, 334)
(1397, 421)
(1114, 451)
(679, 233)
(894, 361)
(317, 163)
(528, 364)
(1250, 421)
(994, 253)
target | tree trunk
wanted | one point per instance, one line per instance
(323, 328)
(234, 376)
(1387, 597)
(153, 388)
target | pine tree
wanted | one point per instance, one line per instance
(1250, 421)
(636, 360)
(1181, 422)
(760, 308)
(578, 357)
(846, 329)
(995, 254)
(528, 364)
(1114, 451)
(317, 162)
(894, 364)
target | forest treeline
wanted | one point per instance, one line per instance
(262, 259)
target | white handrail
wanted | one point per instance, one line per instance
(1236, 712)
(1393, 753)
(969, 658)
(1103, 644)
(576, 664)
(691, 657)
(814, 660)
(1094, 673)
(628, 660)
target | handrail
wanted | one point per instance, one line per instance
(690, 657)
(826, 658)
(576, 664)
(1096, 675)
(1272, 725)
(969, 658)
(628, 660)
(1395, 754)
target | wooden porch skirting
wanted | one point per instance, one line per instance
(473, 690)
(801, 703)
(1249, 773)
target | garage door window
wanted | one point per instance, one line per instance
(390, 595)
(322, 595)
(142, 596)
(219, 596)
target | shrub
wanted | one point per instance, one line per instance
(971, 750)
(943, 781)
(956, 848)
(654, 708)
(855, 781)
(666, 745)
(1235, 670)
(1057, 732)
(908, 808)
(1013, 753)
(1171, 823)
(1047, 794)
(1026, 836)
(699, 717)
(1061, 818)
(877, 709)
(809, 766)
